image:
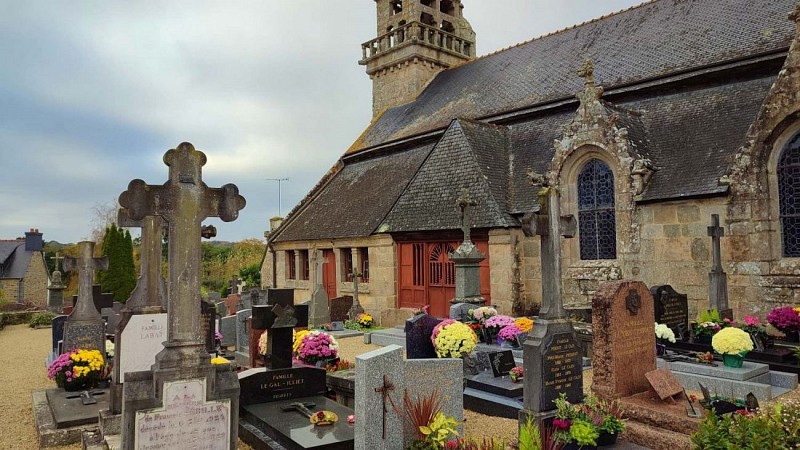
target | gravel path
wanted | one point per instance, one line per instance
(22, 370)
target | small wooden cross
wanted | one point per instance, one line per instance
(384, 390)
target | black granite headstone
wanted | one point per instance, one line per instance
(418, 336)
(58, 330)
(501, 362)
(281, 384)
(561, 372)
(340, 307)
(671, 309)
(280, 321)
(280, 296)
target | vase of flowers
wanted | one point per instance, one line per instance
(494, 324)
(365, 320)
(453, 339)
(732, 344)
(664, 334)
(507, 336)
(787, 320)
(316, 346)
(77, 370)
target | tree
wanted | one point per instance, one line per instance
(251, 275)
(120, 278)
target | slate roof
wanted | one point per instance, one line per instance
(356, 199)
(470, 155)
(14, 260)
(645, 42)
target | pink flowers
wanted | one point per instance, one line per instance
(317, 346)
(499, 321)
(562, 424)
(509, 333)
(785, 319)
(752, 321)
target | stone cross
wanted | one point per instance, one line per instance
(356, 309)
(549, 225)
(233, 285)
(464, 202)
(317, 262)
(86, 264)
(319, 309)
(183, 201)
(384, 391)
(717, 278)
(56, 272)
(150, 289)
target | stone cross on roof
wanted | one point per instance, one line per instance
(464, 201)
(86, 264)
(183, 201)
(587, 71)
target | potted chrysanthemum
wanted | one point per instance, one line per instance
(664, 334)
(316, 348)
(453, 339)
(507, 337)
(77, 370)
(493, 326)
(733, 344)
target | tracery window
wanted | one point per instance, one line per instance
(789, 196)
(596, 217)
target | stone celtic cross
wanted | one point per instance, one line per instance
(86, 264)
(183, 201)
(464, 202)
(550, 226)
(717, 278)
(57, 259)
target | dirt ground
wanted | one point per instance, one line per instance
(22, 369)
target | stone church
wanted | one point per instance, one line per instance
(647, 121)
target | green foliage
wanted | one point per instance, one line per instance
(492, 443)
(120, 278)
(787, 415)
(530, 435)
(251, 275)
(739, 431)
(709, 315)
(440, 429)
(2, 296)
(41, 319)
(583, 433)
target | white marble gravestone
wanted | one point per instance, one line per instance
(187, 420)
(142, 338)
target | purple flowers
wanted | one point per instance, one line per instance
(785, 319)
(317, 346)
(499, 321)
(562, 424)
(509, 333)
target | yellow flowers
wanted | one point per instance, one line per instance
(524, 324)
(454, 340)
(298, 339)
(732, 341)
(219, 360)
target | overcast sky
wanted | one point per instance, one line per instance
(93, 93)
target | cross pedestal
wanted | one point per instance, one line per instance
(467, 258)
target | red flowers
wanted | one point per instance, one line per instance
(320, 415)
(562, 424)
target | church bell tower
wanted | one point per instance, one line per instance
(416, 40)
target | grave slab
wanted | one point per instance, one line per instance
(70, 412)
(49, 435)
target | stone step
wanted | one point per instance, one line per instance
(492, 404)
(388, 336)
(655, 438)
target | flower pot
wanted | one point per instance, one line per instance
(661, 349)
(733, 360)
(606, 438)
(506, 344)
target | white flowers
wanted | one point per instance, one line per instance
(109, 349)
(664, 333)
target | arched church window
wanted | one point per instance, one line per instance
(596, 217)
(789, 196)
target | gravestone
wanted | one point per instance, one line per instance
(624, 341)
(355, 308)
(318, 310)
(279, 320)
(467, 258)
(214, 297)
(262, 386)
(418, 336)
(672, 309)
(208, 324)
(664, 383)
(182, 378)
(382, 377)
(243, 335)
(340, 307)
(460, 311)
(232, 303)
(222, 310)
(245, 301)
(551, 352)
(112, 319)
(58, 332)
(84, 328)
(227, 327)
(501, 363)
(256, 359)
(717, 278)
(280, 296)
(140, 341)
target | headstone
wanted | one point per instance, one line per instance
(58, 331)
(318, 311)
(214, 297)
(671, 309)
(112, 319)
(242, 333)
(232, 303)
(467, 258)
(262, 386)
(245, 301)
(84, 328)
(418, 336)
(227, 326)
(340, 308)
(717, 278)
(280, 296)
(460, 311)
(182, 378)
(141, 339)
(624, 341)
(382, 377)
(551, 353)
(279, 321)
(501, 363)
(99, 298)
(664, 383)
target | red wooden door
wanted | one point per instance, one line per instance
(329, 273)
(441, 278)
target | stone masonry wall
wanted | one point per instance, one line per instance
(10, 290)
(501, 258)
(36, 279)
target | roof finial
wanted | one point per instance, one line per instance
(587, 71)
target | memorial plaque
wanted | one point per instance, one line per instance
(84, 336)
(562, 370)
(671, 309)
(141, 339)
(501, 362)
(187, 420)
(261, 385)
(664, 383)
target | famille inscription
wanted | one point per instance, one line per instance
(562, 369)
(185, 421)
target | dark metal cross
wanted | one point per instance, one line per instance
(86, 264)
(183, 201)
(717, 278)
(384, 390)
(301, 407)
(464, 202)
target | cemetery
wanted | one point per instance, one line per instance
(470, 303)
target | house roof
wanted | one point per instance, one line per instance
(14, 260)
(649, 41)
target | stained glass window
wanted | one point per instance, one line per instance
(789, 196)
(596, 218)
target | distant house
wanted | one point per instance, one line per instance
(23, 271)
